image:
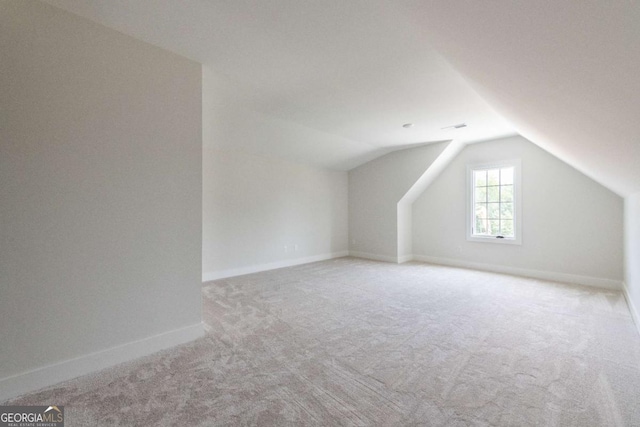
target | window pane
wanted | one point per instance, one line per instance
(506, 193)
(494, 194)
(480, 177)
(493, 211)
(494, 227)
(493, 177)
(481, 226)
(506, 176)
(481, 194)
(506, 211)
(507, 228)
(493, 202)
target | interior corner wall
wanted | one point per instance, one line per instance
(375, 189)
(100, 172)
(261, 212)
(632, 254)
(572, 226)
(405, 235)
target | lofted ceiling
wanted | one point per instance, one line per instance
(354, 70)
(563, 73)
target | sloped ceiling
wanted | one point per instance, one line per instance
(565, 73)
(350, 72)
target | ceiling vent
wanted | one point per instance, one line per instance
(458, 126)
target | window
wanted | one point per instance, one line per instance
(494, 203)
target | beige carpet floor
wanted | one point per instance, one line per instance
(356, 342)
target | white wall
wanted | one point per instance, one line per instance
(632, 254)
(405, 205)
(375, 189)
(571, 224)
(100, 195)
(257, 208)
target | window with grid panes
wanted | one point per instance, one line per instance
(493, 202)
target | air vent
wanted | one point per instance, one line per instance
(458, 126)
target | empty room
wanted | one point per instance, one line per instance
(323, 213)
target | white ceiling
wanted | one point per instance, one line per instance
(354, 70)
(564, 73)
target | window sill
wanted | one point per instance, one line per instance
(494, 240)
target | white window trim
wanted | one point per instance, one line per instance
(517, 197)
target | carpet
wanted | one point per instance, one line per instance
(352, 342)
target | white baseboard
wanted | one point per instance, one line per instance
(516, 271)
(635, 314)
(16, 385)
(375, 257)
(232, 272)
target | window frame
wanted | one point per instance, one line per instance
(517, 200)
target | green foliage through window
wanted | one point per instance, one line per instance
(494, 202)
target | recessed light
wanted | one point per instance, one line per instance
(407, 125)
